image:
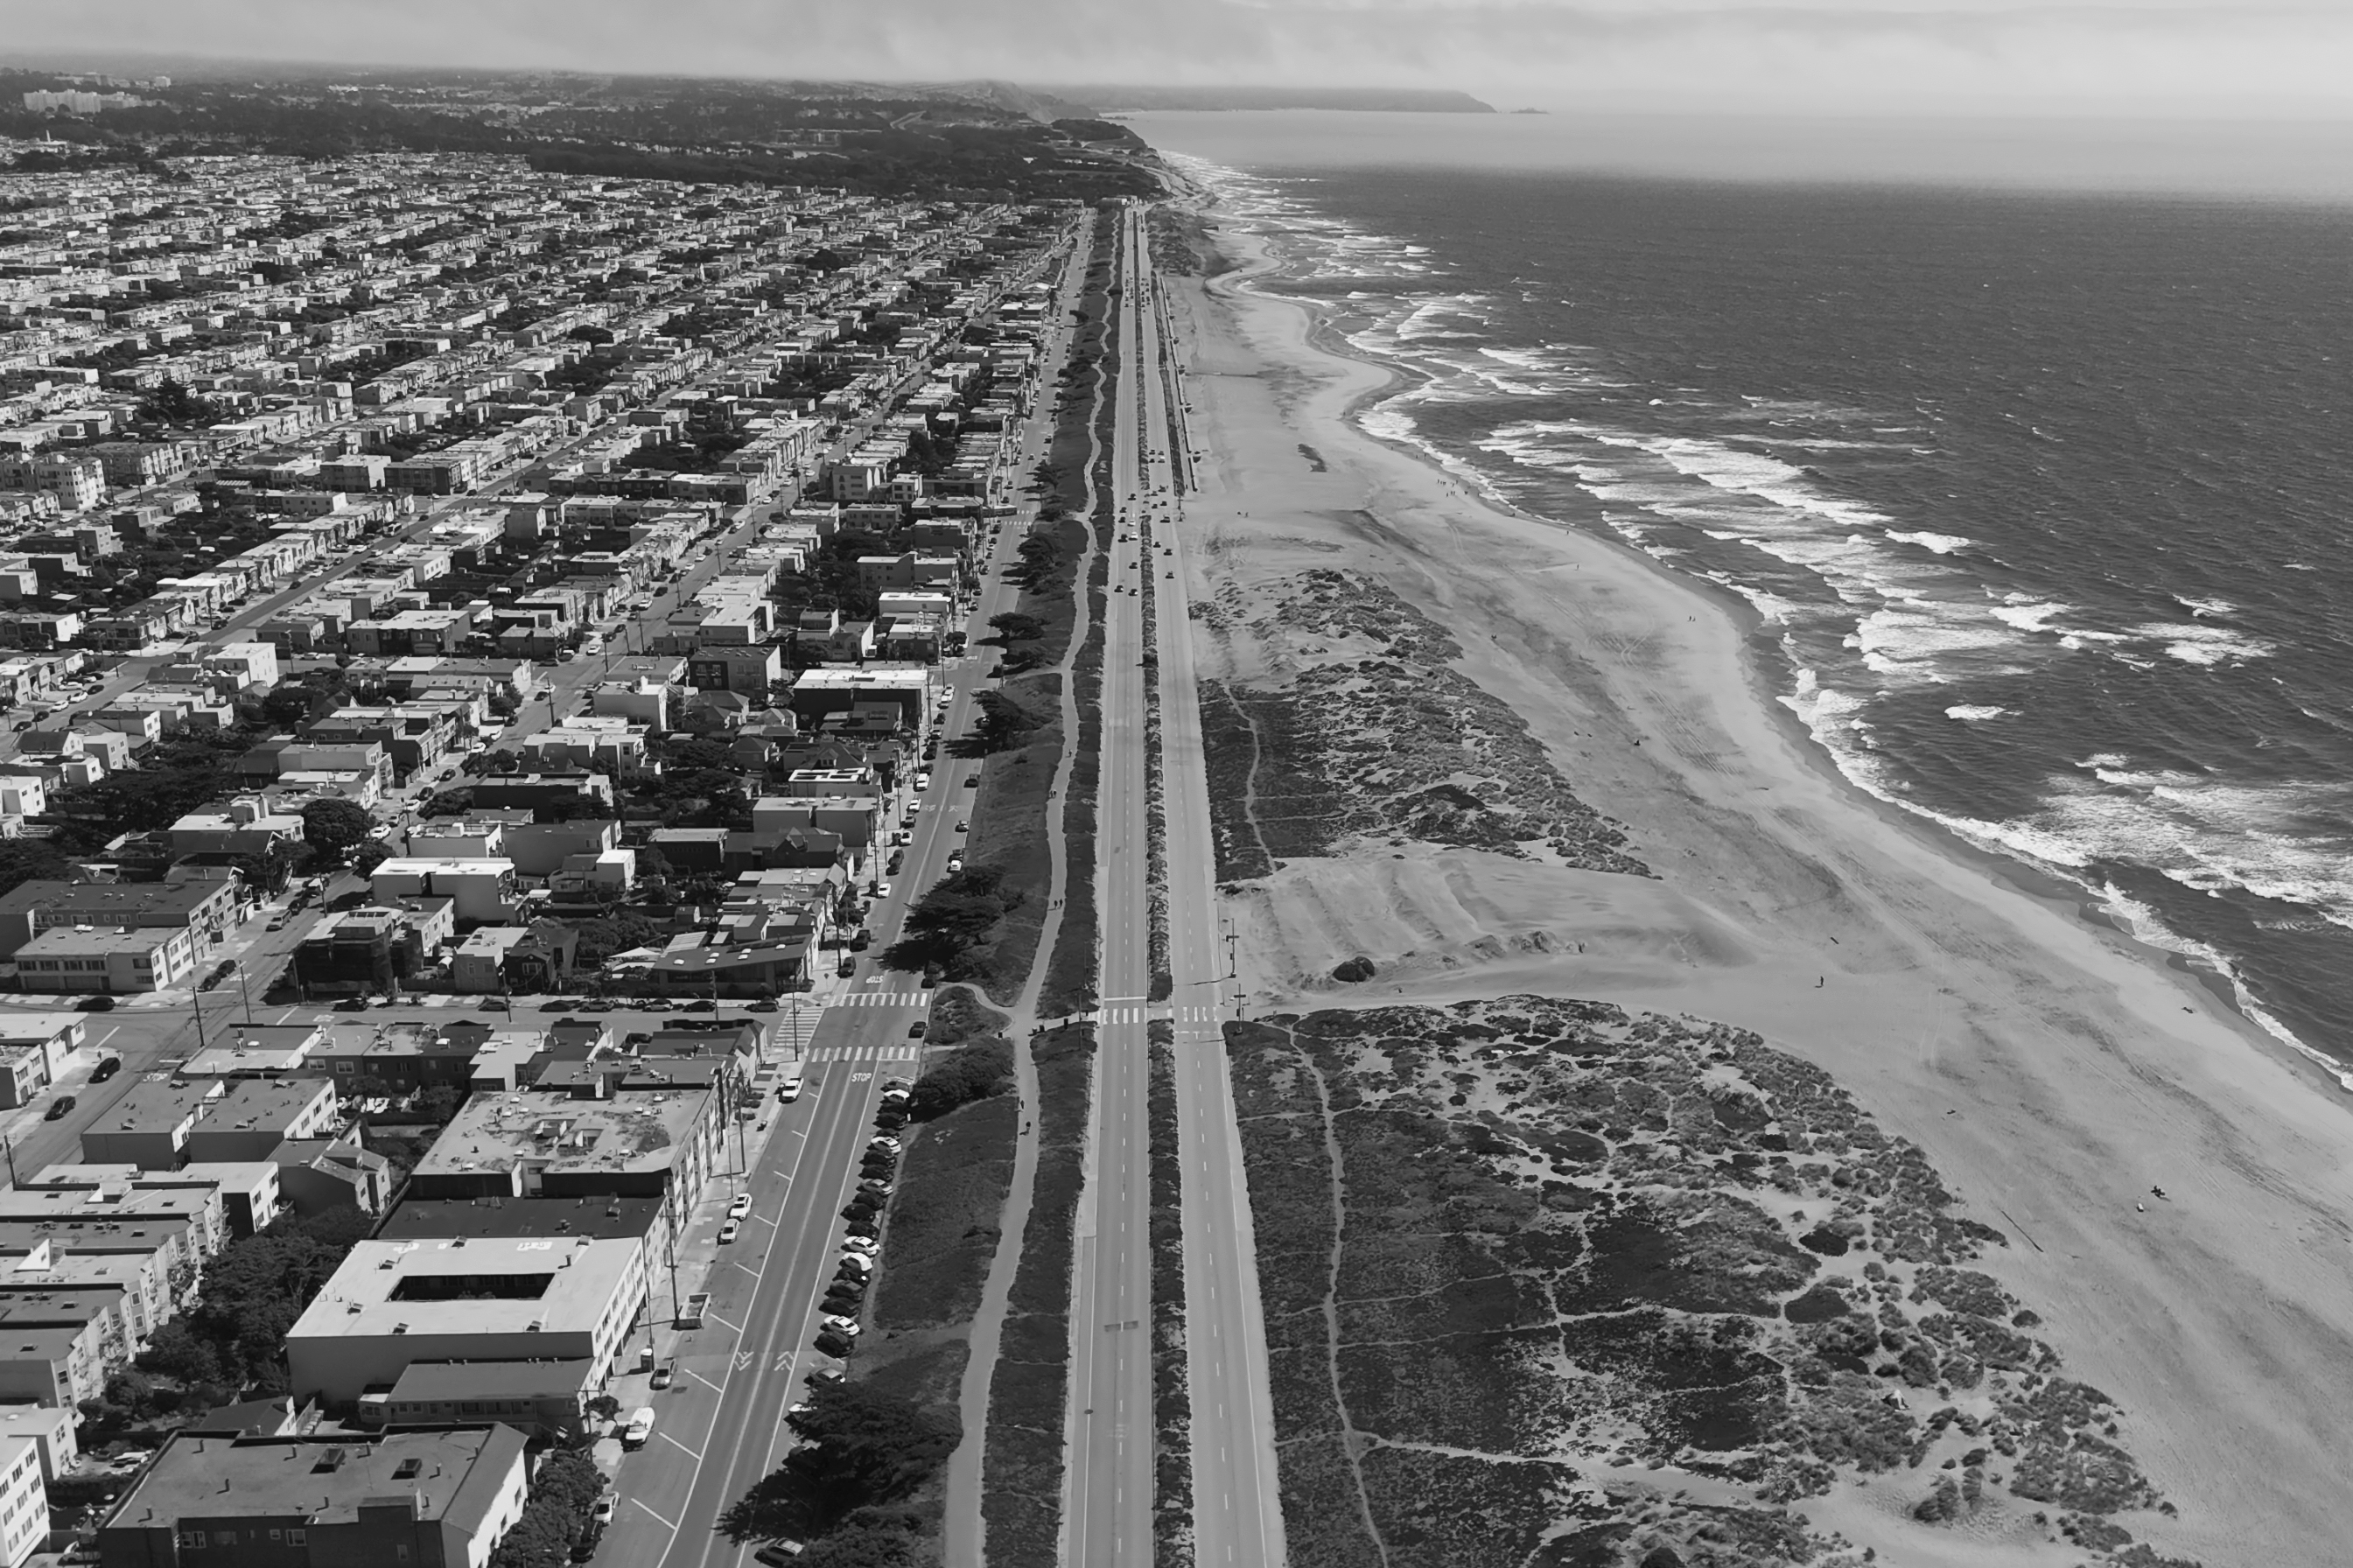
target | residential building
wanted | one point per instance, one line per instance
(440, 1498)
(484, 1298)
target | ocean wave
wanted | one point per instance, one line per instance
(2200, 607)
(1977, 712)
(1941, 543)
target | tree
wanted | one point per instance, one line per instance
(1012, 627)
(966, 1074)
(1003, 723)
(442, 1100)
(955, 915)
(332, 826)
(562, 1494)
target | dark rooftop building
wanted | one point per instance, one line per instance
(436, 1500)
(600, 1218)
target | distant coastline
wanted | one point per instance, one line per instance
(1398, 101)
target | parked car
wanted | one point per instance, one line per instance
(915, 1030)
(764, 1007)
(730, 1231)
(60, 1107)
(603, 1510)
(96, 1004)
(665, 1373)
(860, 1246)
(789, 1090)
(639, 1428)
(741, 1206)
(844, 1325)
(778, 1554)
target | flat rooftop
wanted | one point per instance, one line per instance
(453, 1472)
(487, 1285)
(496, 1130)
(604, 1218)
(445, 1380)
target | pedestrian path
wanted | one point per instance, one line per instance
(908, 1052)
(880, 999)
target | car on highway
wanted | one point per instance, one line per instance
(741, 1206)
(764, 1007)
(106, 1069)
(923, 781)
(60, 1106)
(972, 781)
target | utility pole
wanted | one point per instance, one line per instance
(1232, 936)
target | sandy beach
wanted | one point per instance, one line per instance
(2052, 1070)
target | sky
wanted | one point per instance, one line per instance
(2167, 58)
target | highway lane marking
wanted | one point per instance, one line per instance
(724, 1322)
(640, 1502)
(716, 1389)
(682, 1449)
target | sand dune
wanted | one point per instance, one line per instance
(2053, 1070)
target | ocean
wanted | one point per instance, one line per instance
(2044, 499)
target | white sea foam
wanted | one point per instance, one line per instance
(1975, 712)
(1942, 543)
(2205, 606)
(2205, 645)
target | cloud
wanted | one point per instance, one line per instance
(2163, 55)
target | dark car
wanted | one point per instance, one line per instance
(352, 1004)
(106, 1070)
(764, 1007)
(584, 1549)
(60, 1107)
(778, 1555)
(835, 1343)
(705, 1006)
(96, 1004)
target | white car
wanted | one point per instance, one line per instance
(730, 1231)
(740, 1207)
(789, 1090)
(882, 890)
(888, 1146)
(864, 1246)
(841, 1325)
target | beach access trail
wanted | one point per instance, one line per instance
(2053, 1070)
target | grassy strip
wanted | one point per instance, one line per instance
(1171, 1404)
(1022, 1462)
(958, 1015)
(1072, 970)
(944, 1218)
(1155, 826)
(1010, 822)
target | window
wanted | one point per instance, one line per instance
(400, 1550)
(297, 1537)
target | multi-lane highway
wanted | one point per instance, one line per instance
(1110, 1432)
(1235, 1509)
